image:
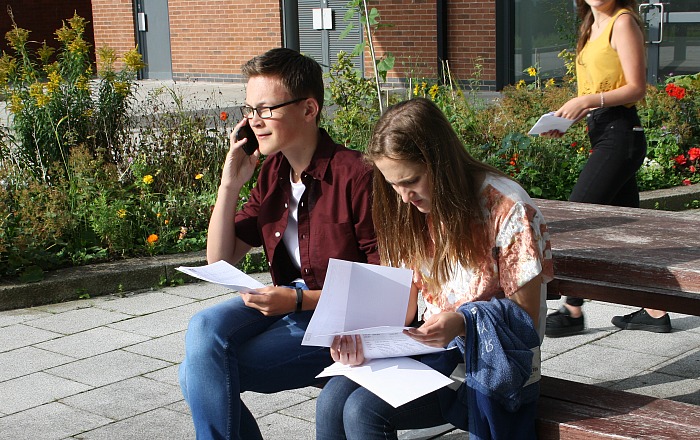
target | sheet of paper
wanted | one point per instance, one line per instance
(549, 122)
(357, 296)
(225, 274)
(394, 380)
(390, 341)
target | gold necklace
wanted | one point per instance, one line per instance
(600, 24)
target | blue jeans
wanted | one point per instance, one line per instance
(231, 348)
(345, 410)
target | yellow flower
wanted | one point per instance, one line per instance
(65, 35)
(45, 52)
(78, 23)
(78, 46)
(152, 239)
(107, 57)
(36, 91)
(8, 66)
(121, 87)
(147, 179)
(16, 104)
(199, 176)
(416, 89)
(531, 71)
(17, 38)
(121, 213)
(166, 221)
(133, 59)
(54, 81)
(82, 83)
(433, 91)
(158, 215)
(520, 84)
(183, 233)
(550, 83)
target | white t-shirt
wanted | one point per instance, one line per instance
(291, 233)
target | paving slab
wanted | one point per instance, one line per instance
(107, 368)
(144, 303)
(34, 390)
(28, 360)
(170, 348)
(92, 342)
(126, 398)
(159, 424)
(18, 316)
(78, 320)
(53, 421)
(21, 335)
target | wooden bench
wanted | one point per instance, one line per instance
(576, 411)
(637, 257)
(571, 410)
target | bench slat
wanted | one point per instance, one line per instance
(559, 420)
(615, 401)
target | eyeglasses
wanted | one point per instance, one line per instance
(264, 112)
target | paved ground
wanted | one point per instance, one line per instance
(106, 368)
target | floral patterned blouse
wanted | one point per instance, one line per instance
(520, 250)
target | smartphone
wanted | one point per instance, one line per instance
(247, 133)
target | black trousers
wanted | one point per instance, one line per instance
(618, 150)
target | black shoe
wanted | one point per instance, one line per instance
(641, 320)
(560, 323)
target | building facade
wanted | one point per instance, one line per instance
(494, 40)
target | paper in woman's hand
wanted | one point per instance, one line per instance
(549, 122)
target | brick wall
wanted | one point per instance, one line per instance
(114, 25)
(210, 40)
(412, 38)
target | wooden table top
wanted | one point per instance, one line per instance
(633, 247)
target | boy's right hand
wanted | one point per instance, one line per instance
(238, 166)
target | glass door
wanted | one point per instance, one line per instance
(673, 38)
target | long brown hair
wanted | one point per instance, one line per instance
(586, 16)
(416, 130)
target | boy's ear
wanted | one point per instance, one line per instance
(311, 108)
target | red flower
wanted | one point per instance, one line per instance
(692, 168)
(675, 91)
(223, 116)
(686, 182)
(694, 153)
(680, 159)
(573, 144)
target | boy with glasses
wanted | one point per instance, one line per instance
(311, 203)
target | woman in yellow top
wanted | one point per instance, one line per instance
(610, 72)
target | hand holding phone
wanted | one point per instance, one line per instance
(245, 132)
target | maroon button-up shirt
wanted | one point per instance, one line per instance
(334, 213)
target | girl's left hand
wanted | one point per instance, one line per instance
(439, 330)
(347, 350)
